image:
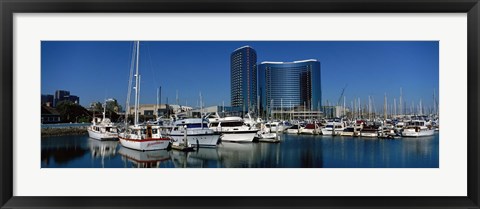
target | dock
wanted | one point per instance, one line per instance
(270, 140)
(182, 148)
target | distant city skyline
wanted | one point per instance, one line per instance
(97, 70)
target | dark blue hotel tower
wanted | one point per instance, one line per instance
(243, 78)
(290, 85)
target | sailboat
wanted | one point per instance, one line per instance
(141, 137)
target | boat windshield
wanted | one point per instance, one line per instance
(416, 123)
(231, 124)
(194, 125)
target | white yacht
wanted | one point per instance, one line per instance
(295, 129)
(333, 127)
(196, 131)
(102, 129)
(278, 126)
(265, 135)
(370, 131)
(144, 138)
(351, 131)
(141, 137)
(311, 128)
(416, 128)
(232, 129)
(399, 126)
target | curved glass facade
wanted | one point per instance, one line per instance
(243, 78)
(289, 85)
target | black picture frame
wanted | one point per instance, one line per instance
(10, 7)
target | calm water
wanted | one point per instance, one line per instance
(295, 151)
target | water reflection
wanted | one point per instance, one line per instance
(295, 151)
(59, 152)
(143, 159)
(102, 149)
(237, 155)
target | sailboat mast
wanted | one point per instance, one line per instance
(129, 91)
(385, 107)
(401, 103)
(104, 109)
(434, 103)
(156, 107)
(137, 78)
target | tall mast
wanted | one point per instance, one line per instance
(369, 108)
(360, 108)
(354, 116)
(201, 106)
(401, 102)
(421, 108)
(129, 91)
(176, 98)
(395, 106)
(385, 107)
(137, 78)
(434, 103)
(104, 109)
(156, 106)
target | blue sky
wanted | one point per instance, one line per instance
(95, 70)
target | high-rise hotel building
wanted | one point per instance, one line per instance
(243, 78)
(289, 85)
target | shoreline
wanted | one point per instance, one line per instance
(47, 132)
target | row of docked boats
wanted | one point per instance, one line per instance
(189, 132)
(414, 127)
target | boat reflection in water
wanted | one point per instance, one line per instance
(294, 151)
(199, 158)
(102, 149)
(238, 155)
(143, 159)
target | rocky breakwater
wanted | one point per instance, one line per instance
(62, 131)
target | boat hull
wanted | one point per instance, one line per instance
(308, 131)
(145, 144)
(102, 136)
(292, 131)
(267, 136)
(238, 136)
(413, 133)
(328, 132)
(203, 140)
(344, 133)
(280, 129)
(369, 134)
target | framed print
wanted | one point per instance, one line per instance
(263, 104)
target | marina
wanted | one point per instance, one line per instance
(278, 116)
(294, 151)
